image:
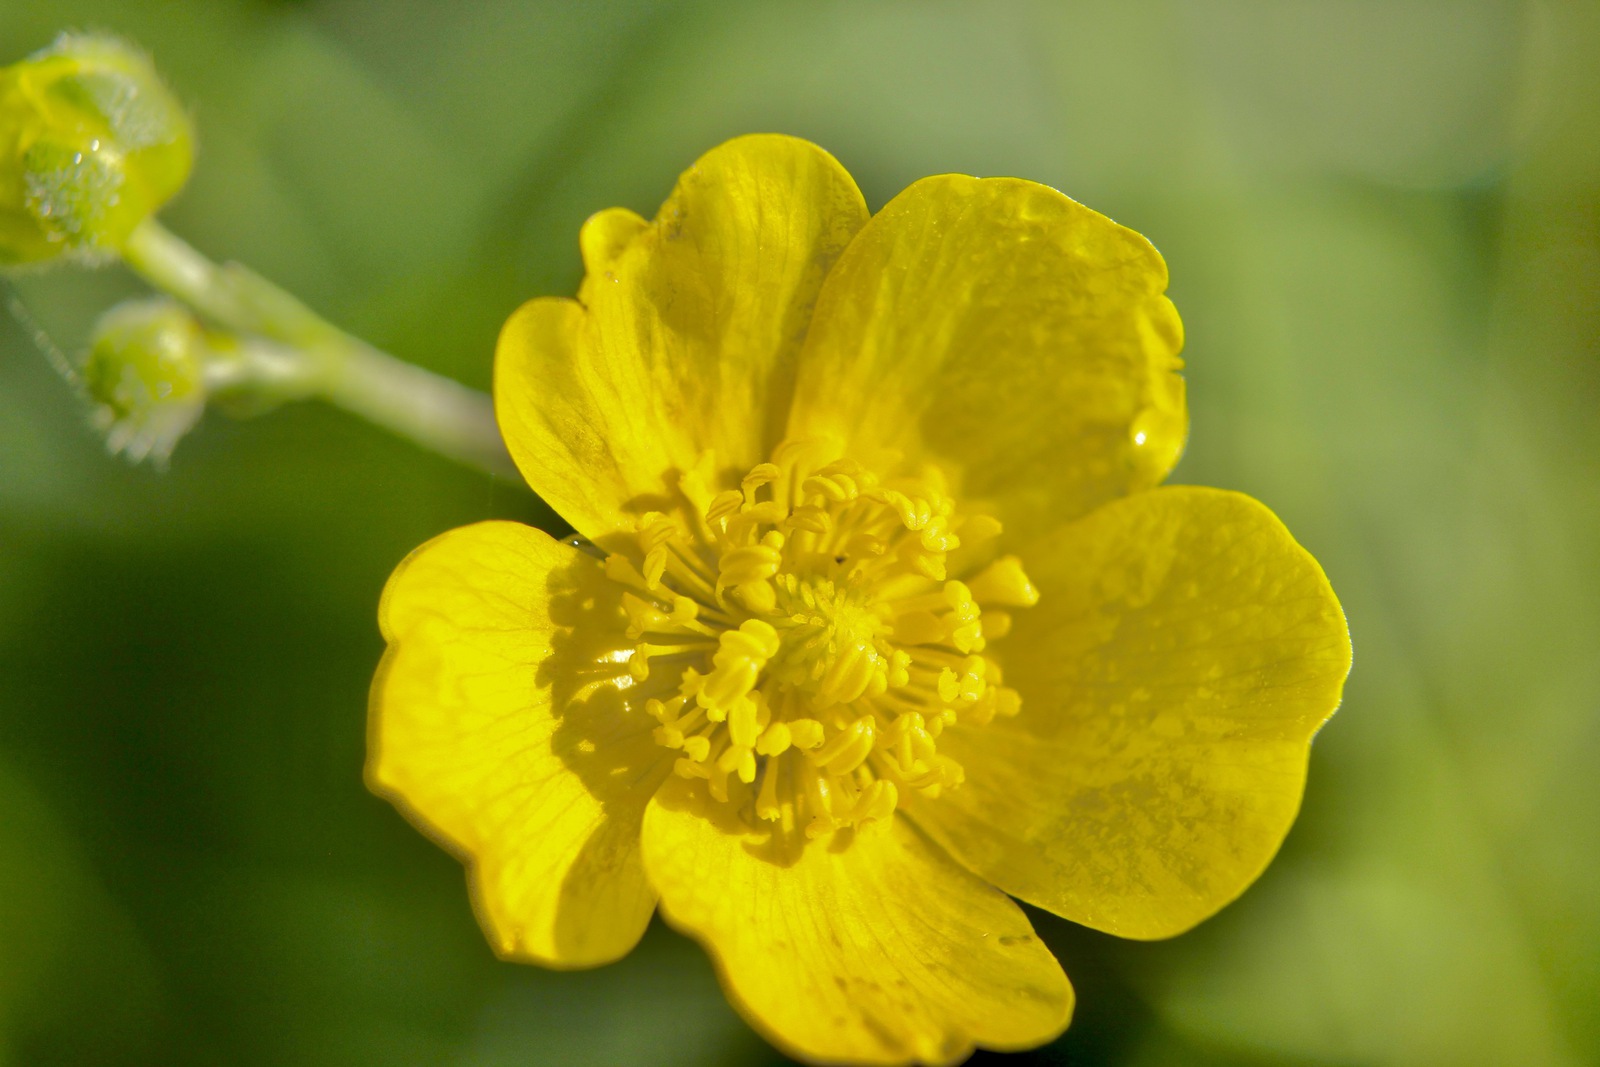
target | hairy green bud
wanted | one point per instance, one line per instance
(91, 144)
(145, 374)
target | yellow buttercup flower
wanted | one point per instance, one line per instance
(879, 617)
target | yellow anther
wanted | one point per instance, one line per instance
(899, 669)
(962, 688)
(737, 664)
(673, 728)
(811, 519)
(738, 759)
(852, 670)
(656, 532)
(723, 505)
(806, 734)
(761, 474)
(820, 825)
(959, 596)
(697, 748)
(838, 483)
(914, 512)
(968, 638)
(972, 677)
(910, 740)
(766, 513)
(1004, 583)
(764, 709)
(936, 536)
(847, 749)
(639, 664)
(876, 803)
(944, 773)
(928, 564)
(827, 490)
(752, 563)
(756, 597)
(775, 740)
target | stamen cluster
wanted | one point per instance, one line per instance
(804, 638)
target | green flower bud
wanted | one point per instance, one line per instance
(145, 373)
(91, 144)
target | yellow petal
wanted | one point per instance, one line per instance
(876, 949)
(1007, 332)
(686, 335)
(500, 731)
(1183, 652)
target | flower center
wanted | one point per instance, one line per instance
(805, 640)
(829, 640)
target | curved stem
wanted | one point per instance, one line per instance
(431, 410)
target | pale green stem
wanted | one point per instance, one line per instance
(313, 358)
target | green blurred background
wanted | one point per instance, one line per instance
(1383, 225)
